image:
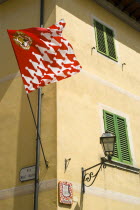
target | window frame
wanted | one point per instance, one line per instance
(105, 40)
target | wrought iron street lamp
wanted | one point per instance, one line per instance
(107, 140)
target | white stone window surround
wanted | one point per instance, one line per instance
(115, 40)
(122, 114)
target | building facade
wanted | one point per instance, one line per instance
(76, 111)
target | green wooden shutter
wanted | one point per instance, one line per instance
(100, 37)
(123, 139)
(105, 40)
(117, 125)
(109, 120)
(110, 43)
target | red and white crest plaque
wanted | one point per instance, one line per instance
(65, 193)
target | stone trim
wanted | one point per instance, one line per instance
(123, 166)
(27, 189)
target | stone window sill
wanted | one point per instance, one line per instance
(123, 166)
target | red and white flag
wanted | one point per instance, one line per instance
(43, 55)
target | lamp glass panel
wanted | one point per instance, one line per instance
(108, 144)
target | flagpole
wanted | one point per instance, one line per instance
(36, 191)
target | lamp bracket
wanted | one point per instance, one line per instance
(88, 178)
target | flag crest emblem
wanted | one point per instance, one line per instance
(23, 40)
(43, 55)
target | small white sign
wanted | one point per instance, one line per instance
(27, 173)
(66, 191)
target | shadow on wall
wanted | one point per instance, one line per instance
(77, 8)
(12, 16)
(26, 141)
(26, 146)
(5, 84)
(50, 12)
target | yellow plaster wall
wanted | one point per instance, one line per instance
(17, 202)
(100, 203)
(103, 81)
(17, 129)
(79, 15)
(108, 204)
(47, 200)
(70, 108)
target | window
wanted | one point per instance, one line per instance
(117, 125)
(105, 40)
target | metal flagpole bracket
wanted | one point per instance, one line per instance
(38, 142)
